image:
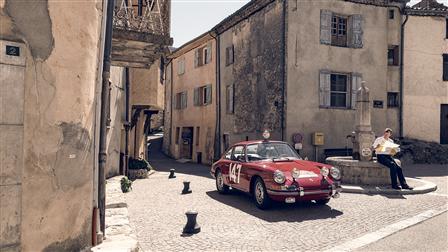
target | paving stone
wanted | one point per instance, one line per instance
(233, 223)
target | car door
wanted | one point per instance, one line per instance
(235, 167)
(225, 164)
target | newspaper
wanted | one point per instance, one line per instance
(389, 148)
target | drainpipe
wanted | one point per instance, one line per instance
(284, 70)
(401, 73)
(127, 125)
(217, 144)
(103, 117)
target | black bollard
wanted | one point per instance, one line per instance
(172, 175)
(186, 189)
(192, 227)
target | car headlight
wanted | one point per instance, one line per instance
(335, 173)
(324, 171)
(279, 177)
(295, 173)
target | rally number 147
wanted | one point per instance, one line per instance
(234, 173)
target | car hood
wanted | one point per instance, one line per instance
(288, 166)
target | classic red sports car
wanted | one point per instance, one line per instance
(272, 170)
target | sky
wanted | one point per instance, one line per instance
(191, 18)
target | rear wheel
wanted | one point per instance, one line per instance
(260, 194)
(220, 186)
(322, 201)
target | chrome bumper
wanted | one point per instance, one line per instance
(333, 192)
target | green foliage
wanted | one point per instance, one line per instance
(126, 185)
(137, 164)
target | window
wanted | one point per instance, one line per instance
(445, 67)
(197, 135)
(238, 151)
(339, 30)
(391, 14)
(392, 100)
(203, 95)
(446, 36)
(177, 135)
(229, 55)
(338, 90)
(203, 55)
(228, 154)
(392, 55)
(229, 99)
(181, 66)
(180, 100)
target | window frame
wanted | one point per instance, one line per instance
(391, 14)
(396, 99)
(230, 103)
(338, 39)
(347, 88)
(395, 50)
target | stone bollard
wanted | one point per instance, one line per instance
(172, 175)
(186, 189)
(192, 227)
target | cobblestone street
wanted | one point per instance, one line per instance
(232, 222)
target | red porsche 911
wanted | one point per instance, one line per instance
(273, 171)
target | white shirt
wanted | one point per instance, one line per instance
(380, 141)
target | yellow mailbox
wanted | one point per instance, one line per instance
(318, 138)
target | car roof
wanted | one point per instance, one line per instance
(257, 142)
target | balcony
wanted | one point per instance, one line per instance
(141, 32)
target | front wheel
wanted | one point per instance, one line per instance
(220, 186)
(260, 194)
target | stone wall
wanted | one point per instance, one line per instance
(61, 48)
(256, 74)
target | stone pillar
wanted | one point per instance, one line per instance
(364, 136)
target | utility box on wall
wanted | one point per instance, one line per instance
(12, 86)
(318, 138)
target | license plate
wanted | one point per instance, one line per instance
(290, 200)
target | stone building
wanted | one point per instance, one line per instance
(293, 67)
(52, 157)
(190, 120)
(425, 93)
(331, 47)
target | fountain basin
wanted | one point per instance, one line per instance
(357, 172)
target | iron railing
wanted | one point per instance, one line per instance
(146, 16)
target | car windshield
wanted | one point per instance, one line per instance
(268, 150)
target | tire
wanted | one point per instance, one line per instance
(260, 195)
(220, 186)
(322, 201)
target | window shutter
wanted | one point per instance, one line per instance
(208, 94)
(445, 67)
(324, 88)
(227, 56)
(196, 97)
(209, 52)
(356, 32)
(356, 84)
(175, 102)
(184, 100)
(229, 100)
(325, 27)
(196, 57)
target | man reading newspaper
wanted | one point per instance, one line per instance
(385, 149)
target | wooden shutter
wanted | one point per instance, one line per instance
(208, 94)
(324, 88)
(196, 97)
(445, 67)
(356, 84)
(196, 58)
(356, 32)
(184, 99)
(209, 52)
(325, 27)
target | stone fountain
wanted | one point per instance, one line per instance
(361, 168)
